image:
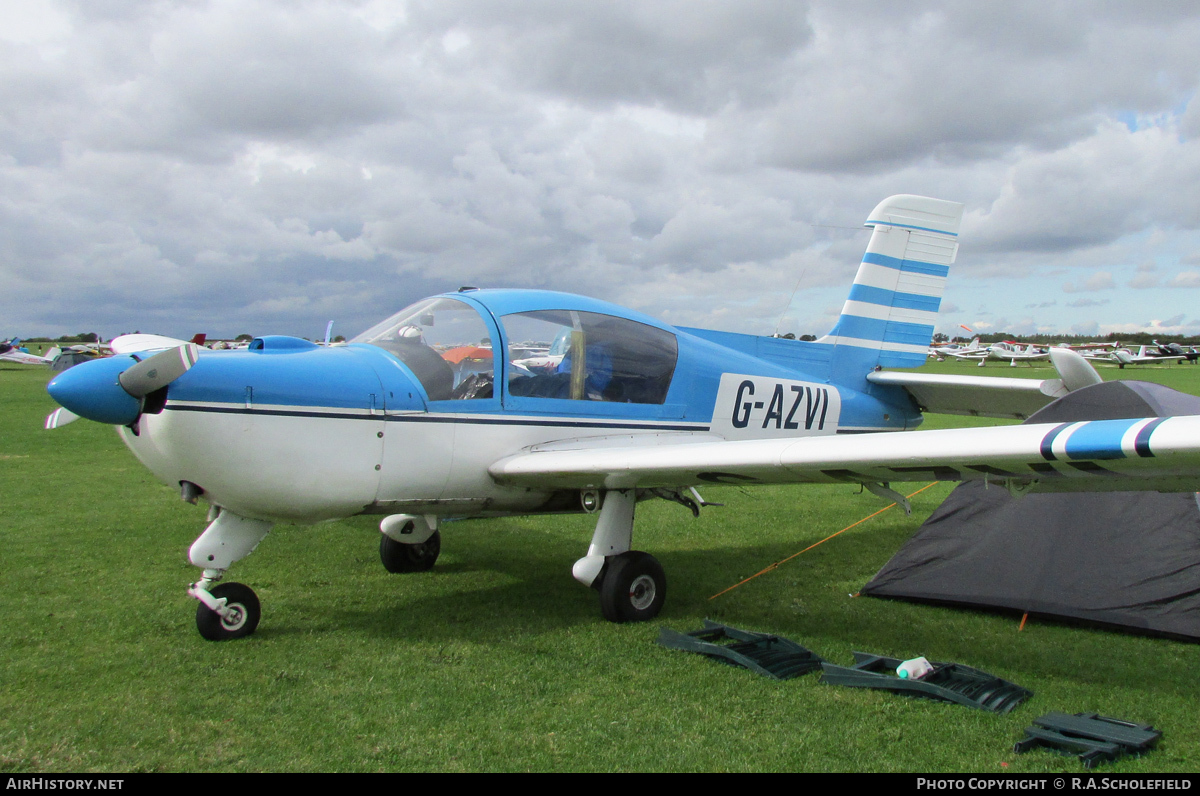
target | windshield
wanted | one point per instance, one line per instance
(444, 342)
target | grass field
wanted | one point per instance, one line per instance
(498, 659)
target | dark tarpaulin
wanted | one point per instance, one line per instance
(1120, 558)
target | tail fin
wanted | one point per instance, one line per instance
(893, 304)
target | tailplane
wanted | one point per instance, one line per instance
(889, 317)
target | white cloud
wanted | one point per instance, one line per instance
(1188, 279)
(692, 157)
(1101, 280)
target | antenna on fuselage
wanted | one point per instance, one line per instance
(791, 298)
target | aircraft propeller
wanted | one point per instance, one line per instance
(114, 390)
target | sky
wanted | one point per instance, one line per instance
(263, 167)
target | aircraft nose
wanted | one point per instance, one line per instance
(92, 390)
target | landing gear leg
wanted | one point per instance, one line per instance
(228, 610)
(631, 583)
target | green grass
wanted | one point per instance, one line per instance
(498, 659)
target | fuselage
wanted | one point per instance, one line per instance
(292, 431)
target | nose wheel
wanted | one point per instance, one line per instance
(235, 615)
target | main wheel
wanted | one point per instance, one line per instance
(633, 587)
(241, 619)
(400, 557)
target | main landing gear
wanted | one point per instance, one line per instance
(410, 543)
(633, 587)
(631, 583)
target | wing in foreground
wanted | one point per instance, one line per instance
(1098, 455)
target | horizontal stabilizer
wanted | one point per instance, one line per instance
(986, 396)
(978, 396)
(894, 301)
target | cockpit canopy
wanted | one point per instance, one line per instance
(547, 353)
(593, 357)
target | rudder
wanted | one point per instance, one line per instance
(890, 314)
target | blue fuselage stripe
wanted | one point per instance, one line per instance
(894, 298)
(911, 266)
(1099, 439)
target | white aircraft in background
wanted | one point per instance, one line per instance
(12, 351)
(966, 350)
(972, 351)
(289, 431)
(1014, 353)
(1145, 355)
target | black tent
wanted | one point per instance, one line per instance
(69, 359)
(1130, 559)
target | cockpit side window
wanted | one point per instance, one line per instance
(446, 345)
(586, 356)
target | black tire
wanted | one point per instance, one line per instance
(633, 588)
(245, 605)
(399, 557)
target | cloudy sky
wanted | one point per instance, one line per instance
(234, 166)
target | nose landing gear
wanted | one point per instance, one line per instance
(234, 612)
(226, 610)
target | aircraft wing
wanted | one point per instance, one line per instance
(1099, 455)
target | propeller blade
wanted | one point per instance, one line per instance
(60, 417)
(159, 370)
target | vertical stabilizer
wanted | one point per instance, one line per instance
(889, 316)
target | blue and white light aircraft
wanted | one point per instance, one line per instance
(292, 432)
